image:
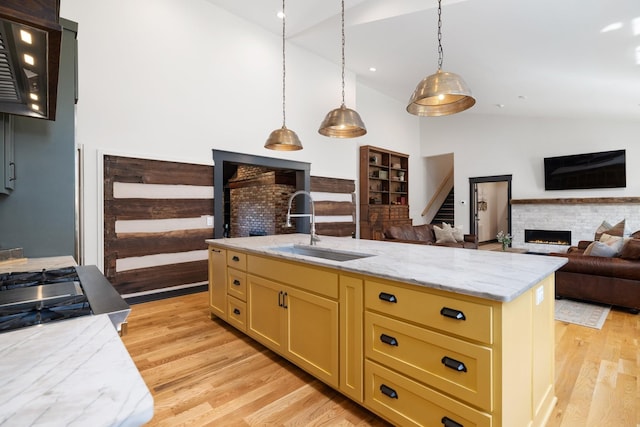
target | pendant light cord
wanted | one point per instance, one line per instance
(284, 68)
(343, 53)
(440, 53)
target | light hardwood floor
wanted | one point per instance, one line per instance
(203, 372)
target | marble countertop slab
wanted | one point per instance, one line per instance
(498, 276)
(36, 264)
(75, 372)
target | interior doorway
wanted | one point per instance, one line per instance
(490, 206)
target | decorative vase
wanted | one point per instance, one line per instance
(504, 245)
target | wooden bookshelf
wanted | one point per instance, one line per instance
(384, 190)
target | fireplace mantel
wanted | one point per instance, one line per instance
(577, 201)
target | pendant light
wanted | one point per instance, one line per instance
(442, 93)
(283, 139)
(342, 122)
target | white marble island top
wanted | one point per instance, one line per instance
(498, 276)
(75, 372)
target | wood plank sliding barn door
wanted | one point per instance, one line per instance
(157, 215)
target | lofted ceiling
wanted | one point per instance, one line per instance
(523, 58)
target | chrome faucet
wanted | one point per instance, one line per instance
(312, 215)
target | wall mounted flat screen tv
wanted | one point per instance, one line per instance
(606, 169)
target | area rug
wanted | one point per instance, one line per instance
(581, 313)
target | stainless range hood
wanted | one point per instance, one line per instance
(30, 36)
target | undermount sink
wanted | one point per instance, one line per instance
(324, 253)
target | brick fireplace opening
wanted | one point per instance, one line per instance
(548, 237)
(258, 200)
(261, 180)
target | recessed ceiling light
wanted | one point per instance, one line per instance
(611, 27)
(280, 15)
(28, 59)
(33, 96)
(500, 105)
(35, 107)
(25, 36)
(373, 69)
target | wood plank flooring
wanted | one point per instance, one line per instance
(203, 372)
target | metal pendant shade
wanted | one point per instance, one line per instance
(342, 122)
(283, 139)
(442, 93)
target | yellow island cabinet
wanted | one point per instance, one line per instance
(421, 336)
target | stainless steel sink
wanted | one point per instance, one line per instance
(324, 253)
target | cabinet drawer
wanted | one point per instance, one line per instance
(407, 403)
(237, 283)
(237, 313)
(456, 367)
(455, 316)
(236, 260)
(313, 279)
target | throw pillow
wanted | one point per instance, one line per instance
(612, 230)
(443, 236)
(614, 242)
(455, 231)
(631, 250)
(600, 249)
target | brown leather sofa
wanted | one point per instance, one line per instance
(424, 235)
(613, 281)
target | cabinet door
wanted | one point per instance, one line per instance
(312, 334)
(218, 282)
(265, 314)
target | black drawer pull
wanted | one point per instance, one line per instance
(236, 311)
(388, 391)
(452, 313)
(235, 258)
(448, 422)
(280, 303)
(454, 364)
(387, 297)
(388, 340)
(236, 282)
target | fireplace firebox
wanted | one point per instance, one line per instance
(548, 237)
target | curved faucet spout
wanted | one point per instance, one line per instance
(312, 215)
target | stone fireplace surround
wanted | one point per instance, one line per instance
(581, 216)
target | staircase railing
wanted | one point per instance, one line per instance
(438, 197)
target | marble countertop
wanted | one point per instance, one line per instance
(75, 372)
(498, 276)
(36, 264)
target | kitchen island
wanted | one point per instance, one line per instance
(420, 335)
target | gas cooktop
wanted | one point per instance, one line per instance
(38, 297)
(33, 298)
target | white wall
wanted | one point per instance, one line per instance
(485, 145)
(172, 80)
